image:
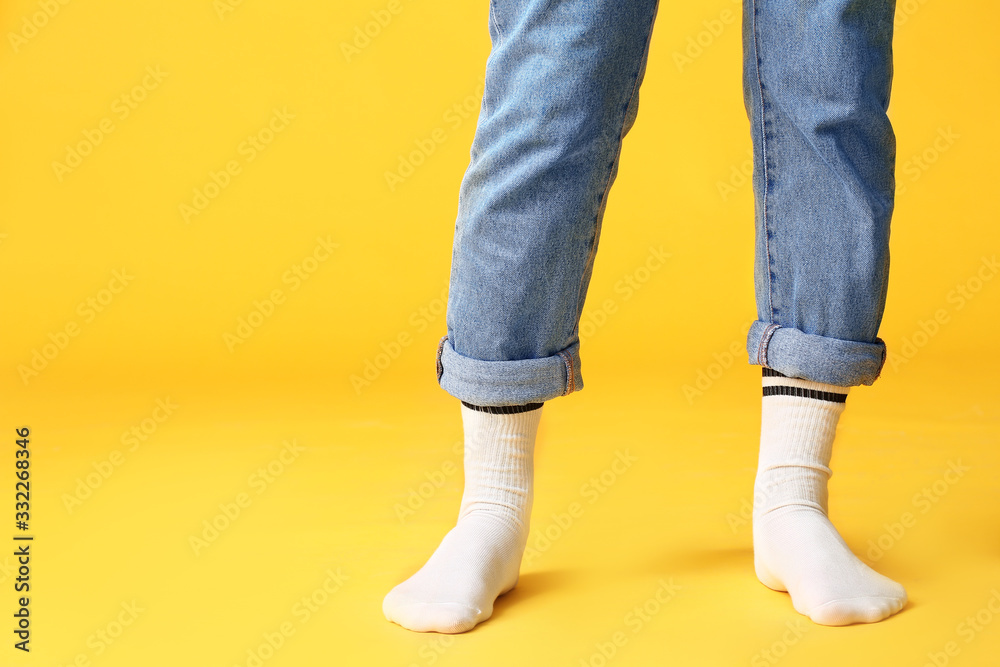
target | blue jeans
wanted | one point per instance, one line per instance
(561, 92)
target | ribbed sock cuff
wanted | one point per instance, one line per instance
(778, 384)
(503, 409)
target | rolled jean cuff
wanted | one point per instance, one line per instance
(508, 382)
(796, 353)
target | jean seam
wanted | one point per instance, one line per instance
(763, 159)
(570, 376)
(496, 21)
(607, 185)
(881, 364)
(500, 39)
(440, 366)
(765, 339)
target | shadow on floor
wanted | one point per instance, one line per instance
(531, 584)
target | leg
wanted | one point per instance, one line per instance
(816, 83)
(561, 92)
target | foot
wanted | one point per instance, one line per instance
(479, 559)
(796, 548)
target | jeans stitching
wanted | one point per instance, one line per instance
(496, 21)
(607, 185)
(764, 340)
(881, 365)
(571, 377)
(763, 158)
(440, 366)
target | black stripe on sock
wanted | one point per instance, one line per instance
(770, 372)
(503, 409)
(784, 390)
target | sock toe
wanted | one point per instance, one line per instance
(855, 610)
(444, 617)
(480, 558)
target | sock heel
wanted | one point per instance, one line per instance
(766, 578)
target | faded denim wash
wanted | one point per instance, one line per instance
(562, 91)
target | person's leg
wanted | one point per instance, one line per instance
(561, 92)
(816, 83)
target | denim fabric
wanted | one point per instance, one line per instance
(816, 80)
(562, 91)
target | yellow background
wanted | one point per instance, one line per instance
(367, 449)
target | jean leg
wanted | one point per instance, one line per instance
(561, 92)
(816, 79)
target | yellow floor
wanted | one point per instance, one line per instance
(651, 565)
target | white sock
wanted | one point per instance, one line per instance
(480, 557)
(796, 548)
